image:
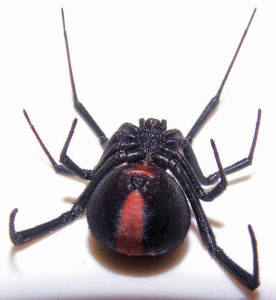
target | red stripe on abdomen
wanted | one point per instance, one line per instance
(130, 232)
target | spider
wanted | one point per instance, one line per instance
(134, 206)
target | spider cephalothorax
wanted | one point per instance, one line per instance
(151, 134)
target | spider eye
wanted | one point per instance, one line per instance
(153, 123)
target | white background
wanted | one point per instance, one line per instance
(133, 59)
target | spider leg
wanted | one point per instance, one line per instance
(221, 186)
(112, 150)
(215, 100)
(207, 235)
(124, 138)
(71, 168)
(20, 237)
(78, 105)
(67, 161)
(211, 179)
(241, 164)
(60, 169)
(251, 281)
(109, 151)
(171, 158)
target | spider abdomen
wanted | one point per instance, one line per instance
(139, 210)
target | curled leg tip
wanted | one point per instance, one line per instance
(12, 217)
(221, 170)
(13, 235)
(213, 144)
(253, 238)
(255, 282)
(250, 229)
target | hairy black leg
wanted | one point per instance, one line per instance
(186, 168)
(221, 186)
(251, 281)
(124, 138)
(67, 161)
(78, 209)
(71, 168)
(241, 164)
(211, 179)
(78, 106)
(88, 174)
(129, 128)
(113, 149)
(127, 133)
(207, 235)
(190, 155)
(174, 134)
(215, 100)
(60, 169)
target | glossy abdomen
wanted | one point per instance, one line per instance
(139, 210)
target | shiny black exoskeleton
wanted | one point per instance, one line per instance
(139, 209)
(133, 204)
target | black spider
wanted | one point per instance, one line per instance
(133, 205)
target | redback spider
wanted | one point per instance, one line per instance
(134, 206)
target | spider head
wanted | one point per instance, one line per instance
(152, 123)
(152, 134)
